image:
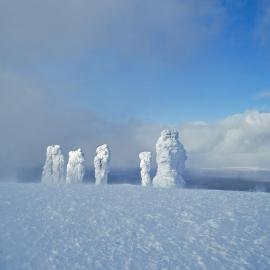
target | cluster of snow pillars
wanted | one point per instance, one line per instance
(54, 168)
(171, 158)
(75, 167)
(145, 165)
(102, 164)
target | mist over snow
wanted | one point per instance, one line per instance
(154, 95)
(240, 140)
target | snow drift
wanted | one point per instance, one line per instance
(171, 158)
(53, 170)
(75, 167)
(102, 164)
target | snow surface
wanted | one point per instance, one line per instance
(145, 165)
(75, 167)
(171, 158)
(130, 227)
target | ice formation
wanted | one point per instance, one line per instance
(171, 157)
(53, 170)
(145, 166)
(75, 167)
(102, 164)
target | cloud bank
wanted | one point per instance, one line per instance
(31, 120)
(237, 140)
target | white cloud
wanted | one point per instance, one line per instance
(40, 29)
(237, 140)
(264, 94)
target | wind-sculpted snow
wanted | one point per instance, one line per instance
(82, 227)
(102, 164)
(75, 167)
(54, 168)
(145, 165)
(171, 158)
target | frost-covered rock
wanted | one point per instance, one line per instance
(145, 166)
(102, 164)
(54, 168)
(75, 167)
(171, 157)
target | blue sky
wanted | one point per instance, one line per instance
(127, 65)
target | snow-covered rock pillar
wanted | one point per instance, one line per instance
(75, 167)
(145, 166)
(171, 158)
(102, 164)
(54, 168)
